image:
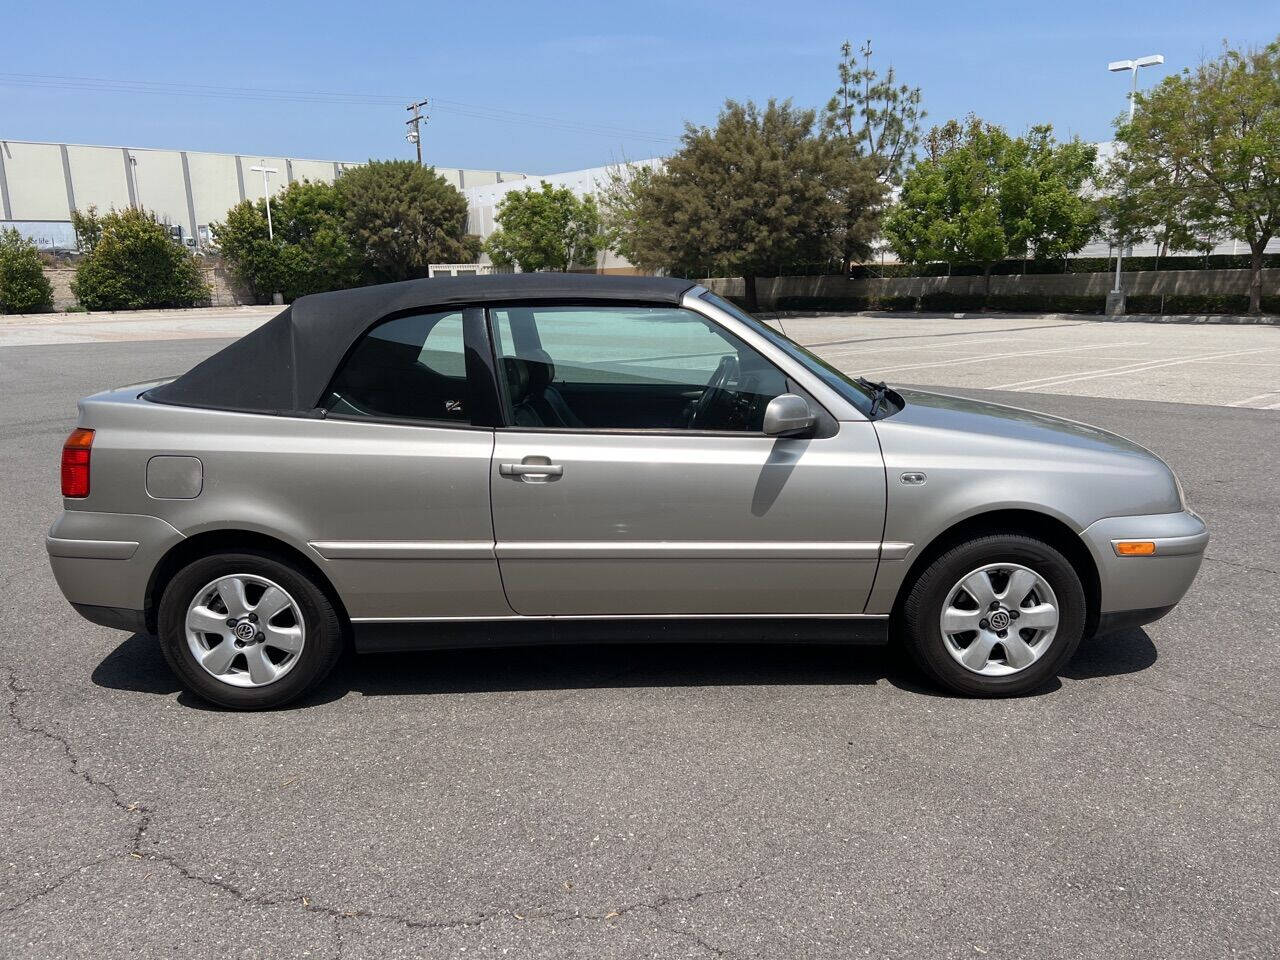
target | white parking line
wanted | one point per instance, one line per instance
(1249, 400)
(1002, 356)
(851, 346)
(1043, 382)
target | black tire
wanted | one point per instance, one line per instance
(323, 630)
(922, 610)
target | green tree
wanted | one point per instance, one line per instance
(23, 285)
(759, 194)
(546, 229)
(401, 218)
(981, 196)
(877, 115)
(88, 228)
(1202, 158)
(134, 264)
(311, 251)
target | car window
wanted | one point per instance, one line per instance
(630, 368)
(843, 384)
(411, 367)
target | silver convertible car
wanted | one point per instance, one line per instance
(551, 458)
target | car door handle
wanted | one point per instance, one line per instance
(535, 470)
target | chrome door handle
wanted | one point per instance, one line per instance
(521, 470)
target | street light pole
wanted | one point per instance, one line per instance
(266, 192)
(137, 189)
(1133, 66)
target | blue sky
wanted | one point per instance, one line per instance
(647, 68)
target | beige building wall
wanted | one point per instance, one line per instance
(193, 194)
(99, 178)
(215, 188)
(39, 167)
(317, 171)
(160, 185)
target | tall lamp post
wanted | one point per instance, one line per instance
(1115, 300)
(266, 193)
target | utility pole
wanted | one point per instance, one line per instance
(414, 133)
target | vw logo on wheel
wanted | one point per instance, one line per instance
(245, 630)
(999, 620)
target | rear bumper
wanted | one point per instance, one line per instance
(103, 562)
(117, 618)
(1141, 589)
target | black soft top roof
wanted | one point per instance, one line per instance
(284, 366)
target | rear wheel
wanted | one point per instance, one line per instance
(997, 616)
(248, 630)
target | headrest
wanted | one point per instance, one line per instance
(541, 371)
(517, 372)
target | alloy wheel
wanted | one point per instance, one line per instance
(245, 630)
(999, 619)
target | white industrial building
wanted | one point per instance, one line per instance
(41, 183)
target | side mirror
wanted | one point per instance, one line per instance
(788, 416)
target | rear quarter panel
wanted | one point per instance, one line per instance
(302, 481)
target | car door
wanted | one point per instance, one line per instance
(396, 483)
(633, 477)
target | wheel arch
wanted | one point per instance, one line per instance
(209, 542)
(1022, 522)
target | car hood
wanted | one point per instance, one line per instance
(939, 411)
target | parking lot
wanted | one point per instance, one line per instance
(749, 801)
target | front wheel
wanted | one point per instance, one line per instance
(997, 616)
(247, 630)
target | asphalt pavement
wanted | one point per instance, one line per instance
(647, 801)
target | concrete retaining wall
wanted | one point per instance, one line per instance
(1155, 282)
(223, 289)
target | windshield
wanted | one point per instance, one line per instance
(849, 388)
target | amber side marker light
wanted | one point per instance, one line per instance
(75, 463)
(1135, 548)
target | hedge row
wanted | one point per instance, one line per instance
(1031, 303)
(1075, 265)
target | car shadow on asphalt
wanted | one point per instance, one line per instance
(137, 665)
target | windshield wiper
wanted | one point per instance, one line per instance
(878, 394)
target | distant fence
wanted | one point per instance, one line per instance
(1149, 291)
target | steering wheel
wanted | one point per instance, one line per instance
(716, 395)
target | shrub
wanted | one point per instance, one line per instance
(894, 303)
(1215, 303)
(943, 302)
(310, 253)
(23, 285)
(547, 229)
(847, 303)
(1047, 303)
(400, 218)
(1007, 268)
(134, 264)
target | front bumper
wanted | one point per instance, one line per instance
(103, 562)
(1140, 589)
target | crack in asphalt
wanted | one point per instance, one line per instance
(64, 878)
(146, 814)
(1243, 566)
(1217, 705)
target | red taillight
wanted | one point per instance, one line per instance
(75, 463)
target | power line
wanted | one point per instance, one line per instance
(473, 111)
